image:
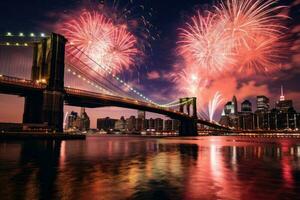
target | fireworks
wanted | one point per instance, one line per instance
(110, 46)
(238, 35)
(212, 106)
(190, 82)
(203, 45)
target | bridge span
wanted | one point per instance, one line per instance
(44, 100)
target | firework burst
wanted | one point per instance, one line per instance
(204, 46)
(257, 32)
(189, 82)
(238, 35)
(111, 46)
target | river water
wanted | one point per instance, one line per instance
(151, 168)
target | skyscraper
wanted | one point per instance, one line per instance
(283, 105)
(234, 105)
(141, 121)
(246, 106)
(263, 103)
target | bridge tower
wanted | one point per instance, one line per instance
(48, 69)
(188, 126)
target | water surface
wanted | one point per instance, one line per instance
(151, 168)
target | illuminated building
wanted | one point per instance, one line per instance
(262, 103)
(230, 114)
(78, 122)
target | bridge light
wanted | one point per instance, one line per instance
(21, 34)
(42, 34)
(17, 44)
(7, 43)
(8, 34)
(25, 44)
(32, 35)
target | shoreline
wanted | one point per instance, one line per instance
(40, 136)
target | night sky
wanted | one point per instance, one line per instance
(152, 76)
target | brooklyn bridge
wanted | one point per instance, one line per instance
(48, 89)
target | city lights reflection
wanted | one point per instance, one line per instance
(135, 168)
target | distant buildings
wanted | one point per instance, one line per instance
(282, 117)
(139, 124)
(78, 122)
(121, 124)
(106, 124)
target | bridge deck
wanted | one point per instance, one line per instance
(82, 98)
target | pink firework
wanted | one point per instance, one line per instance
(106, 45)
(256, 28)
(203, 44)
(238, 35)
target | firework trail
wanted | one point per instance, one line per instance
(212, 106)
(110, 45)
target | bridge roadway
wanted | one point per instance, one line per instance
(82, 98)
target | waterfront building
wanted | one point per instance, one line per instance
(131, 123)
(84, 122)
(71, 120)
(106, 123)
(246, 120)
(141, 121)
(158, 124)
(120, 124)
(151, 123)
(168, 125)
(78, 122)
